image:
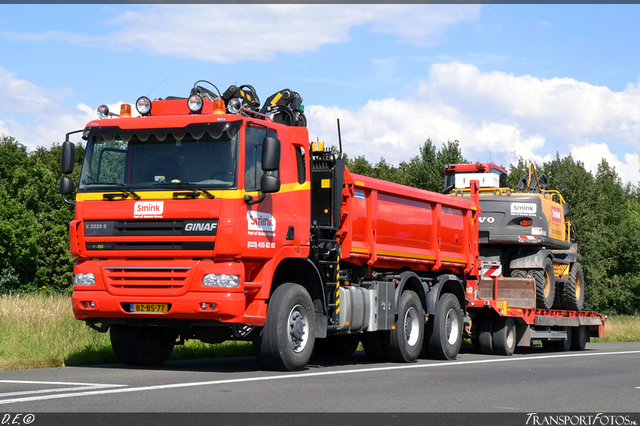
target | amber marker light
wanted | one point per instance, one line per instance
(218, 106)
(125, 111)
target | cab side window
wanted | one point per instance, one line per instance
(254, 137)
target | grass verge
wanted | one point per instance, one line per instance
(38, 330)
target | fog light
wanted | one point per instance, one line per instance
(84, 279)
(92, 304)
(203, 306)
(221, 280)
(212, 306)
(85, 305)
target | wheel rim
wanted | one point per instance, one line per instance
(511, 337)
(411, 326)
(547, 285)
(453, 326)
(298, 328)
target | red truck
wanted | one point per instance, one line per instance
(208, 218)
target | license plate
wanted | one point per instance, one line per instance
(149, 308)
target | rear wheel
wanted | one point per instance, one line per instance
(504, 336)
(579, 338)
(405, 339)
(573, 290)
(287, 338)
(545, 285)
(446, 337)
(486, 336)
(518, 273)
(149, 346)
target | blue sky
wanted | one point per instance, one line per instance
(504, 80)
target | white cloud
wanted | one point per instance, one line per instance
(495, 115)
(33, 115)
(231, 33)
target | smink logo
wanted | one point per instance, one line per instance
(262, 222)
(556, 215)
(523, 208)
(148, 208)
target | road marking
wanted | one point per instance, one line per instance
(124, 389)
(75, 387)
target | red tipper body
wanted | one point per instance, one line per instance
(386, 225)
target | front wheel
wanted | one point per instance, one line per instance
(445, 337)
(405, 339)
(287, 338)
(573, 291)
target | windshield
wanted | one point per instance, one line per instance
(203, 155)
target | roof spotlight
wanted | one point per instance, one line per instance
(234, 105)
(143, 105)
(103, 111)
(195, 103)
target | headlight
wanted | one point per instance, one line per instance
(223, 280)
(84, 279)
(143, 105)
(195, 103)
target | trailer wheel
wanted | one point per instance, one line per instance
(545, 285)
(149, 346)
(287, 338)
(404, 341)
(373, 346)
(339, 346)
(446, 337)
(579, 338)
(485, 337)
(563, 345)
(573, 291)
(504, 336)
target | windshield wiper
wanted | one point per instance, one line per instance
(186, 185)
(125, 191)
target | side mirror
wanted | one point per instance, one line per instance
(68, 158)
(66, 186)
(270, 154)
(269, 184)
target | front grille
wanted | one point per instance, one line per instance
(142, 228)
(129, 279)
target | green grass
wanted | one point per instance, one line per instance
(39, 330)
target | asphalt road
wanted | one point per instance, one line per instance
(603, 378)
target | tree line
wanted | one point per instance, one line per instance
(34, 221)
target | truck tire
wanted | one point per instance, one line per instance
(338, 346)
(579, 338)
(485, 338)
(545, 285)
(518, 273)
(504, 336)
(373, 346)
(573, 290)
(287, 338)
(404, 341)
(446, 335)
(563, 345)
(150, 346)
